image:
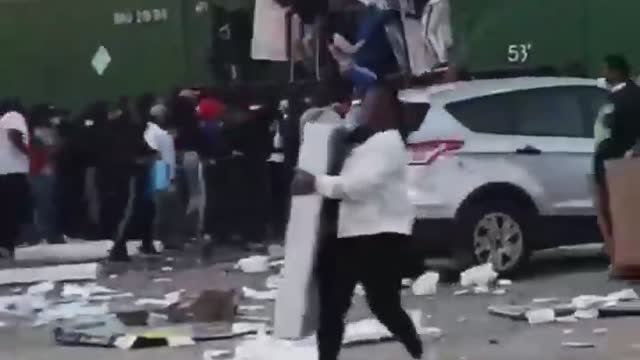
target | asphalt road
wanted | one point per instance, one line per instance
(470, 332)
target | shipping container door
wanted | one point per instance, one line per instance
(492, 34)
(24, 63)
(104, 49)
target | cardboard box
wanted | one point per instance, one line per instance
(623, 180)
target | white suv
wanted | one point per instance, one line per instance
(502, 167)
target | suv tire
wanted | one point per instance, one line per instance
(500, 229)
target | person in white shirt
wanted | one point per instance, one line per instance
(14, 169)
(374, 226)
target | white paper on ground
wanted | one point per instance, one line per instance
(505, 282)
(214, 354)
(254, 264)
(584, 302)
(426, 284)
(245, 327)
(41, 289)
(296, 305)
(461, 292)
(179, 341)
(250, 308)
(540, 316)
(586, 314)
(544, 300)
(22, 305)
(69, 311)
(161, 280)
(600, 331)
(567, 319)
(268, 348)
(85, 291)
(250, 293)
(273, 282)
(49, 273)
(482, 275)
(499, 292)
(74, 252)
(125, 342)
(624, 295)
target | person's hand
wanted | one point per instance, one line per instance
(304, 183)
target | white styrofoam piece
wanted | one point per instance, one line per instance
(82, 251)
(254, 294)
(426, 284)
(296, 303)
(72, 272)
(254, 264)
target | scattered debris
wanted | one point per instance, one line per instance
(482, 275)
(273, 282)
(568, 331)
(41, 289)
(250, 293)
(544, 300)
(84, 291)
(134, 317)
(74, 272)
(481, 290)
(578, 345)
(461, 292)
(276, 263)
(584, 302)
(499, 292)
(426, 285)
(161, 280)
(494, 342)
(505, 282)
(268, 348)
(567, 319)
(540, 316)
(254, 264)
(624, 295)
(170, 259)
(74, 252)
(113, 276)
(264, 319)
(433, 332)
(600, 331)
(629, 308)
(586, 314)
(167, 269)
(215, 354)
(250, 308)
(69, 311)
(248, 328)
(208, 307)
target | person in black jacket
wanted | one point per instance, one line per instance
(124, 165)
(621, 128)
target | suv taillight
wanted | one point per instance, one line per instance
(426, 153)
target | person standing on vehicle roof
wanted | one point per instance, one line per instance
(617, 130)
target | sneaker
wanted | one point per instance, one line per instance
(149, 250)
(119, 255)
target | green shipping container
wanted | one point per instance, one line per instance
(498, 34)
(72, 52)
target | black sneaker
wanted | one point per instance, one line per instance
(149, 250)
(119, 255)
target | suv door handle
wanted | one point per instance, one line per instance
(529, 150)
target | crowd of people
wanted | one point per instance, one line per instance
(173, 169)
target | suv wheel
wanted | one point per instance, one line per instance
(495, 232)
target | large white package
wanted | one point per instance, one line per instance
(296, 303)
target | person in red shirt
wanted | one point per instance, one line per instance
(42, 151)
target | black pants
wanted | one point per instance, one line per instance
(375, 262)
(15, 206)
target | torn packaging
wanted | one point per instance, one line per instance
(209, 306)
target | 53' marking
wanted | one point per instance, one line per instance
(519, 53)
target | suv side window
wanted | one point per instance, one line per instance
(592, 100)
(493, 114)
(556, 111)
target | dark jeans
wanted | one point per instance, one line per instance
(375, 261)
(14, 208)
(170, 225)
(46, 217)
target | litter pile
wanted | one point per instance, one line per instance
(540, 311)
(482, 279)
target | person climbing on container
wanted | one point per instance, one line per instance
(15, 204)
(617, 130)
(374, 226)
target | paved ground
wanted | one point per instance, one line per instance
(561, 273)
